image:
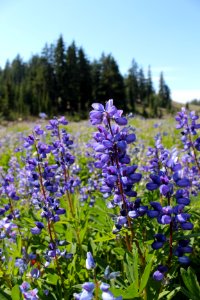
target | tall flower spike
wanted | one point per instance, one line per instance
(118, 179)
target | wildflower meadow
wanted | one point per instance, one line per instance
(102, 209)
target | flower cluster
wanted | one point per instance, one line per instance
(45, 231)
(158, 275)
(86, 293)
(110, 145)
(167, 175)
(187, 123)
(89, 287)
(27, 293)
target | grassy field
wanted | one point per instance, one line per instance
(50, 256)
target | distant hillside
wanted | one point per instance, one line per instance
(190, 106)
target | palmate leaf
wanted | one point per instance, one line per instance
(191, 282)
(130, 293)
(128, 266)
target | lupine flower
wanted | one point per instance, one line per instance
(90, 264)
(35, 273)
(87, 292)
(100, 114)
(38, 130)
(21, 264)
(159, 274)
(42, 115)
(168, 174)
(25, 286)
(106, 294)
(160, 239)
(110, 145)
(110, 275)
(31, 294)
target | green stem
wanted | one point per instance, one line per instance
(129, 239)
(96, 286)
(170, 239)
(49, 223)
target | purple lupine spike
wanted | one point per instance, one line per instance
(90, 263)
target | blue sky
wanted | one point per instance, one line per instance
(164, 34)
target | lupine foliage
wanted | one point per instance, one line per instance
(111, 214)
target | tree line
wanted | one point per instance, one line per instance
(63, 80)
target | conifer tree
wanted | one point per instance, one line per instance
(149, 86)
(132, 86)
(142, 87)
(95, 76)
(111, 84)
(85, 81)
(164, 93)
(60, 73)
(72, 71)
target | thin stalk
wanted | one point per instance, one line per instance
(96, 286)
(129, 241)
(170, 243)
(66, 176)
(49, 223)
(170, 238)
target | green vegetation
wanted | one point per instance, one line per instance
(63, 80)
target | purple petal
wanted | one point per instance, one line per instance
(130, 138)
(152, 186)
(121, 121)
(184, 182)
(158, 276)
(98, 107)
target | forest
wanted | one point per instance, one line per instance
(63, 80)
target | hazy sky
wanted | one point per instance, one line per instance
(164, 34)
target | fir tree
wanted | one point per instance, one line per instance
(72, 70)
(60, 73)
(132, 86)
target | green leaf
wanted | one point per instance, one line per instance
(15, 293)
(145, 275)
(190, 281)
(129, 293)
(187, 294)
(119, 251)
(83, 231)
(59, 227)
(105, 238)
(173, 293)
(164, 293)
(128, 266)
(135, 266)
(186, 278)
(19, 243)
(195, 284)
(52, 279)
(3, 296)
